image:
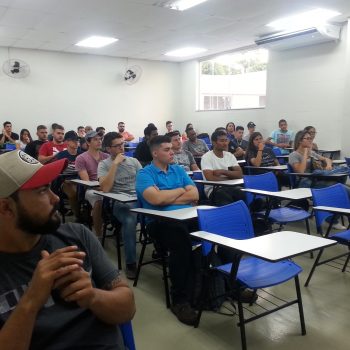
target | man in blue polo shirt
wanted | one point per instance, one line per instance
(165, 186)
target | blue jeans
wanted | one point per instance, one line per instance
(128, 220)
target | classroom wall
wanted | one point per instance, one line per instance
(304, 85)
(75, 89)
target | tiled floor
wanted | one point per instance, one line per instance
(326, 308)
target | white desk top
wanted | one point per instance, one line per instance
(339, 161)
(273, 167)
(293, 194)
(86, 183)
(242, 161)
(189, 173)
(221, 183)
(273, 247)
(179, 214)
(333, 209)
(120, 197)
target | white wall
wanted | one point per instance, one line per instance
(306, 86)
(74, 89)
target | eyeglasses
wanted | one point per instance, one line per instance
(119, 145)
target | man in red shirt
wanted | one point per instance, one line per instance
(48, 150)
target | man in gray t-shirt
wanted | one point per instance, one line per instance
(181, 157)
(194, 145)
(58, 289)
(118, 174)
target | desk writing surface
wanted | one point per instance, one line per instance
(233, 182)
(338, 161)
(272, 247)
(86, 183)
(333, 209)
(293, 194)
(120, 196)
(273, 167)
(179, 214)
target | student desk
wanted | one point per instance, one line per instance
(88, 184)
(122, 197)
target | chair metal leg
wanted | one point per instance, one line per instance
(346, 261)
(309, 233)
(300, 305)
(241, 323)
(166, 283)
(139, 265)
(313, 267)
(117, 235)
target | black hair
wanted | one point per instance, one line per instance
(6, 123)
(188, 126)
(80, 127)
(149, 128)
(282, 121)
(216, 134)
(22, 132)
(173, 133)
(220, 128)
(40, 127)
(99, 128)
(308, 128)
(168, 122)
(251, 147)
(57, 127)
(53, 126)
(239, 127)
(120, 123)
(298, 137)
(234, 125)
(158, 140)
(109, 137)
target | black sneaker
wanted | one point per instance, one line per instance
(130, 271)
(185, 313)
(246, 296)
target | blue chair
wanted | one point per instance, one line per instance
(277, 151)
(131, 144)
(129, 153)
(234, 221)
(281, 215)
(332, 196)
(128, 335)
(200, 187)
(347, 159)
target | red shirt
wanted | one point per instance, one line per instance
(50, 148)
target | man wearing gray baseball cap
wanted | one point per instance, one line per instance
(58, 289)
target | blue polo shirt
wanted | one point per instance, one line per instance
(174, 178)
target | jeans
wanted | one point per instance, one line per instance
(128, 220)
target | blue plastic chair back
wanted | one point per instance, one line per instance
(232, 221)
(266, 181)
(10, 146)
(277, 151)
(197, 175)
(132, 144)
(292, 178)
(129, 153)
(128, 335)
(141, 139)
(347, 161)
(332, 196)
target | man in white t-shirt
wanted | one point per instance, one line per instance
(220, 165)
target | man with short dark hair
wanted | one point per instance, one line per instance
(220, 165)
(118, 174)
(7, 134)
(48, 150)
(33, 147)
(169, 126)
(240, 145)
(86, 164)
(281, 138)
(166, 186)
(126, 135)
(181, 157)
(194, 145)
(142, 152)
(251, 128)
(101, 131)
(58, 289)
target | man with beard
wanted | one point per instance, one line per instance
(57, 287)
(127, 136)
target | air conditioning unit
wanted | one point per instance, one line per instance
(289, 40)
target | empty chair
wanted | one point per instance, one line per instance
(332, 196)
(234, 221)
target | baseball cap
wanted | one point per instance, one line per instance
(91, 134)
(19, 171)
(251, 125)
(71, 136)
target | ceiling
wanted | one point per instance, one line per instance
(145, 31)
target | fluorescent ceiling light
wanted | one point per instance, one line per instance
(179, 5)
(96, 41)
(186, 51)
(304, 20)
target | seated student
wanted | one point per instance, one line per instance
(81, 134)
(25, 138)
(169, 126)
(194, 145)
(184, 135)
(305, 160)
(58, 289)
(259, 155)
(165, 186)
(220, 165)
(48, 150)
(86, 164)
(71, 153)
(230, 130)
(142, 152)
(282, 137)
(240, 145)
(181, 157)
(7, 134)
(117, 174)
(127, 136)
(251, 128)
(312, 131)
(33, 147)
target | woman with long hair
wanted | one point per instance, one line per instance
(24, 138)
(312, 131)
(184, 135)
(230, 129)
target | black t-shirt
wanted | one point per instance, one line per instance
(59, 324)
(33, 148)
(268, 157)
(143, 153)
(14, 136)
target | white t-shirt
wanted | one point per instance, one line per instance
(211, 162)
